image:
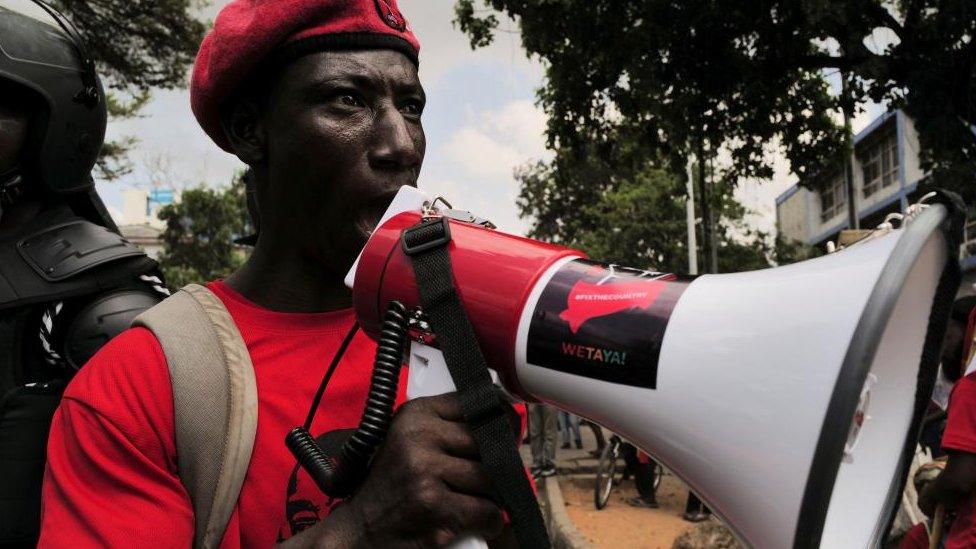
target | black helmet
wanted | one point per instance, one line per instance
(41, 51)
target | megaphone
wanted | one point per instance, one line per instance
(788, 398)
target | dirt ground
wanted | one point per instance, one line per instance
(620, 526)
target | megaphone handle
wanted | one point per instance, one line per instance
(428, 376)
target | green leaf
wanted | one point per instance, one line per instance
(200, 231)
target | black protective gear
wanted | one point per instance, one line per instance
(63, 251)
(58, 255)
(25, 416)
(31, 386)
(67, 286)
(101, 320)
(42, 52)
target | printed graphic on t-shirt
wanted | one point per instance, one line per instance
(604, 322)
(305, 504)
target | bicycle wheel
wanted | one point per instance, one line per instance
(605, 472)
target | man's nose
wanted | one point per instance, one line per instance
(396, 145)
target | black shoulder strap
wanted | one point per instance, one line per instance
(426, 244)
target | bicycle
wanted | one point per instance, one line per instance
(608, 475)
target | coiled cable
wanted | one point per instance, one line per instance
(338, 476)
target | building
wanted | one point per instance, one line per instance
(146, 236)
(140, 224)
(887, 174)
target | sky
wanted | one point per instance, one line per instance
(481, 120)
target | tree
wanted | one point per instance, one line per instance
(138, 45)
(786, 251)
(743, 75)
(200, 232)
(619, 205)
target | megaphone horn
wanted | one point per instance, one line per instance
(788, 398)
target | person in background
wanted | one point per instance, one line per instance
(695, 509)
(954, 487)
(542, 437)
(569, 425)
(643, 468)
(956, 356)
(601, 441)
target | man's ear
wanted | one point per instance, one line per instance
(244, 128)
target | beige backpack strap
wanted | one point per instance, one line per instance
(215, 403)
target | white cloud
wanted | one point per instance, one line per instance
(444, 48)
(476, 164)
(490, 199)
(523, 123)
(475, 153)
(496, 142)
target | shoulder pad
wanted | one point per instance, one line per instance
(101, 320)
(63, 251)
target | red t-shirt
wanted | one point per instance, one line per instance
(917, 537)
(960, 435)
(111, 477)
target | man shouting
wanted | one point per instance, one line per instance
(321, 99)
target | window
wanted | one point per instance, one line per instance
(880, 165)
(833, 199)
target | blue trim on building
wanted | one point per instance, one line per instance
(785, 195)
(900, 196)
(874, 125)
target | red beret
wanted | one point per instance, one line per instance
(249, 33)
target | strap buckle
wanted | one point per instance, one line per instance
(428, 234)
(431, 211)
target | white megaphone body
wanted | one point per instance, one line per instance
(789, 398)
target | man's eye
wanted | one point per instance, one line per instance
(349, 99)
(415, 108)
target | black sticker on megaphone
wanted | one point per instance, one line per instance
(603, 322)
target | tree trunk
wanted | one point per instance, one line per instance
(846, 105)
